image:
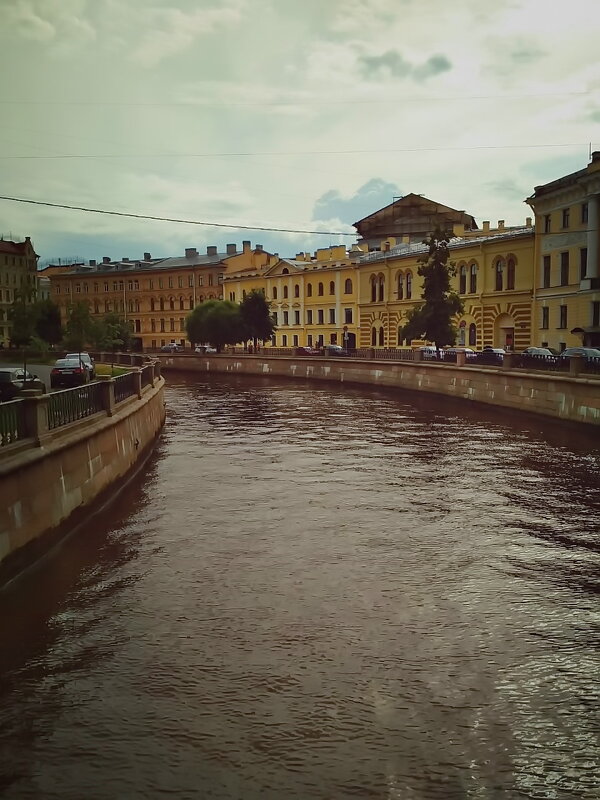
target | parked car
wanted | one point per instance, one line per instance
(537, 351)
(335, 350)
(172, 347)
(68, 372)
(491, 355)
(459, 350)
(306, 351)
(14, 380)
(204, 349)
(586, 352)
(86, 360)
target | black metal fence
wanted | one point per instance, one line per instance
(12, 422)
(70, 405)
(125, 386)
(147, 375)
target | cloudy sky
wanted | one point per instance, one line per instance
(295, 114)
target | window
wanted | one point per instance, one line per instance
(309, 320)
(348, 316)
(284, 340)
(564, 269)
(320, 290)
(381, 288)
(408, 285)
(210, 280)
(200, 280)
(547, 223)
(331, 287)
(172, 324)
(473, 278)
(582, 263)
(565, 217)
(180, 281)
(545, 318)
(399, 336)
(462, 280)
(472, 334)
(106, 286)
(151, 284)
(546, 266)
(78, 288)
(562, 317)
(274, 293)
(181, 304)
(595, 313)
(309, 290)
(309, 340)
(162, 326)
(296, 318)
(320, 316)
(400, 281)
(499, 271)
(181, 324)
(347, 286)
(274, 317)
(138, 326)
(381, 338)
(295, 340)
(162, 304)
(153, 326)
(172, 303)
(584, 213)
(333, 338)
(285, 292)
(510, 274)
(190, 281)
(296, 290)
(332, 316)
(373, 336)
(373, 290)
(160, 283)
(286, 318)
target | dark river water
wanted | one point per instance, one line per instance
(318, 592)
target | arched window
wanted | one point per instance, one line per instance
(373, 290)
(347, 286)
(408, 285)
(381, 288)
(137, 306)
(172, 303)
(510, 274)
(191, 302)
(381, 337)
(274, 293)
(296, 290)
(462, 280)
(473, 278)
(181, 303)
(309, 290)
(499, 272)
(320, 290)
(472, 334)
(285, 292)
(151, 304)
(331, 287)
(373, 336)
(399, 335)
(285, 271)
(162, 304)
(400, 286)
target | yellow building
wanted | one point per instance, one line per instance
(18, 274)
(567, 272)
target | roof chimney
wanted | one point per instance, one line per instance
(486, 226)
(500, 224)
(595, 156)
(92, 262)
(147, 257)
(258, 247)
(528, 222)
(231, 249)
(191, 252)
(211, 250)
(246, 246)
(106, 259)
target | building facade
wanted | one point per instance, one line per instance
(567, 270)
(18, 277)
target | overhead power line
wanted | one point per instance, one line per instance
(175, 219)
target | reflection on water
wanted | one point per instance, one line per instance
(318, 592)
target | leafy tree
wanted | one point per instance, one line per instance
(79, 327)
(48, 326)
(256, 315)
(432, 319)
(216, 322)
(110, 332)
(22, 314)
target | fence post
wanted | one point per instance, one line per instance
(576, 365)
(156, 365)
(107, 385)
(36, 416)
(509, 360)
(137, 381)
(418, 355)
(461, 358)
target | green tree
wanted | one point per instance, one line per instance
(215, 322)
(48, 325)
(110, 332)
(79, 327)
(256, 315)
(432, 319)
(22, 315)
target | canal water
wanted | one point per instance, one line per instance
(318, 592)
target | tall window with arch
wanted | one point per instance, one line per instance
(499, 275)
(373, 336)
(462, 279)
(285, 292)
(399, 335)
(473, 278)
(381, 337)
(296, 290)
(162, 304)
(151, 304)
(400, 286)
(381, 288)
(331, 287)
(309, 290)
(181, 303)
(510, 273)
(320, 290)
(347, 286)
(472, 334)
(373, 290)
(408, 285)
(274, 293)
(172, 303)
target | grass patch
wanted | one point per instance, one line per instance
(113, 371)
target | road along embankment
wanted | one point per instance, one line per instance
(64, 455)
(573, 398)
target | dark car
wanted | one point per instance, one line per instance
(493, 356)
(14, 380)
(69, 372)
(86, 360)
(172, 347)
(306, 351)
(335, 350)
(586, 352)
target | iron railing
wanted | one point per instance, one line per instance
(147, 375)
(125, 387)
(13, 426)
(69, 405)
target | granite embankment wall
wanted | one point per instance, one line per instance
(562, 396)
(48, 482)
